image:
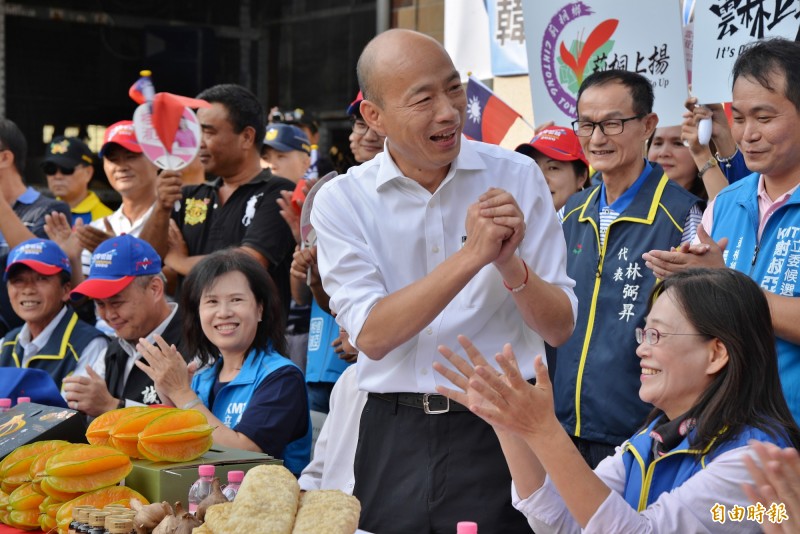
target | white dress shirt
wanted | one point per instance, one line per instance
(331, 468)
(92, 356)
(686, 508)
(379, 231)
(121, 225)
(134, 355)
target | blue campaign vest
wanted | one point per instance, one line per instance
(646, 479)
(258, 365)
(773, 263)
(61, 353)
(597, 375)
(323, 364)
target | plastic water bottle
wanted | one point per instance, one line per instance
(466, 527)
(232, 487)
(5, 405)
(201, 488)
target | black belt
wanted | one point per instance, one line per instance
(430, 403)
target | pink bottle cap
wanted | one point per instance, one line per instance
(235, 476)
(20, 400)
(5, 403)
(206, 470)
(466, 527)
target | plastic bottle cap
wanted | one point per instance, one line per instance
(206, 470)
(23, 399)
(235, 476)
(5, 403)
(467, 527)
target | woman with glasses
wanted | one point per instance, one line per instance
(365, 143)
(708, 366)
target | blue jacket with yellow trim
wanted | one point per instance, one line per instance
(646, 479)
(597, 382)
(257, 366)
(773, 261)
(60, 355)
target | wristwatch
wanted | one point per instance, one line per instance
(709, 165)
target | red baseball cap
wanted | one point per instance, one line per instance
(354, 106)
(556, 142)
(122, 134)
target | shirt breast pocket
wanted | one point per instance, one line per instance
(484, 291)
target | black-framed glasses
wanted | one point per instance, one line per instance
(652, 336)
(360, 127)
(51, 168)
(608, 126)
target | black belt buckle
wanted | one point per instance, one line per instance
(427, 407)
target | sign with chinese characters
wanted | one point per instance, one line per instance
(507, 37)
(568, 41)
(721, 30)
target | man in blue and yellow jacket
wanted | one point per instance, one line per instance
(607, 228)
(753, 225)
(53, 338)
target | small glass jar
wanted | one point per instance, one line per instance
(97, 520)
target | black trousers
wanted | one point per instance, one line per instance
(417, 473)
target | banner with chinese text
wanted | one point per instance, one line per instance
(507, 37)
(723, 27)
(568, 41)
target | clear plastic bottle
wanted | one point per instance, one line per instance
(201, 488)
(5, 405)
(466, 527)
(232, 487)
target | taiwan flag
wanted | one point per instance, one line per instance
(491, 120)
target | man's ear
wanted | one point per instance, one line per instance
(6, 159)
(248, 137)
(650, 124)
(89, 174)
(373, 116)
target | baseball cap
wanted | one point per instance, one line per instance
(354, 107)
(122, 134)
(285, 137)
(115, 263)
(41, 255)
(68, 152)
(556, 142)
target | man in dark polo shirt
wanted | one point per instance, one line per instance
(238, 208)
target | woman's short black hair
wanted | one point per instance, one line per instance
(270, 330)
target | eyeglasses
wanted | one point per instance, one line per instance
(608, 126)
(651, 335)
(51, 168)
(360, 127)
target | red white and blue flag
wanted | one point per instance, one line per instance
(491, 120)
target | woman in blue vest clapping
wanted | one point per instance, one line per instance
(254, 396)
(707, 354)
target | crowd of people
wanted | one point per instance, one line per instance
(637, 288)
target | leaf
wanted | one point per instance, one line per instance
(596, 39)
(569, 59)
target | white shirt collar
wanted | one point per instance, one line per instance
(388, 170)
(33, 346)
(130, 350)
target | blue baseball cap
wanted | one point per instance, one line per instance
(115, 263)
(285, 138)
(41, 255)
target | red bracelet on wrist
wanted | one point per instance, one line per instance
(524, 282)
